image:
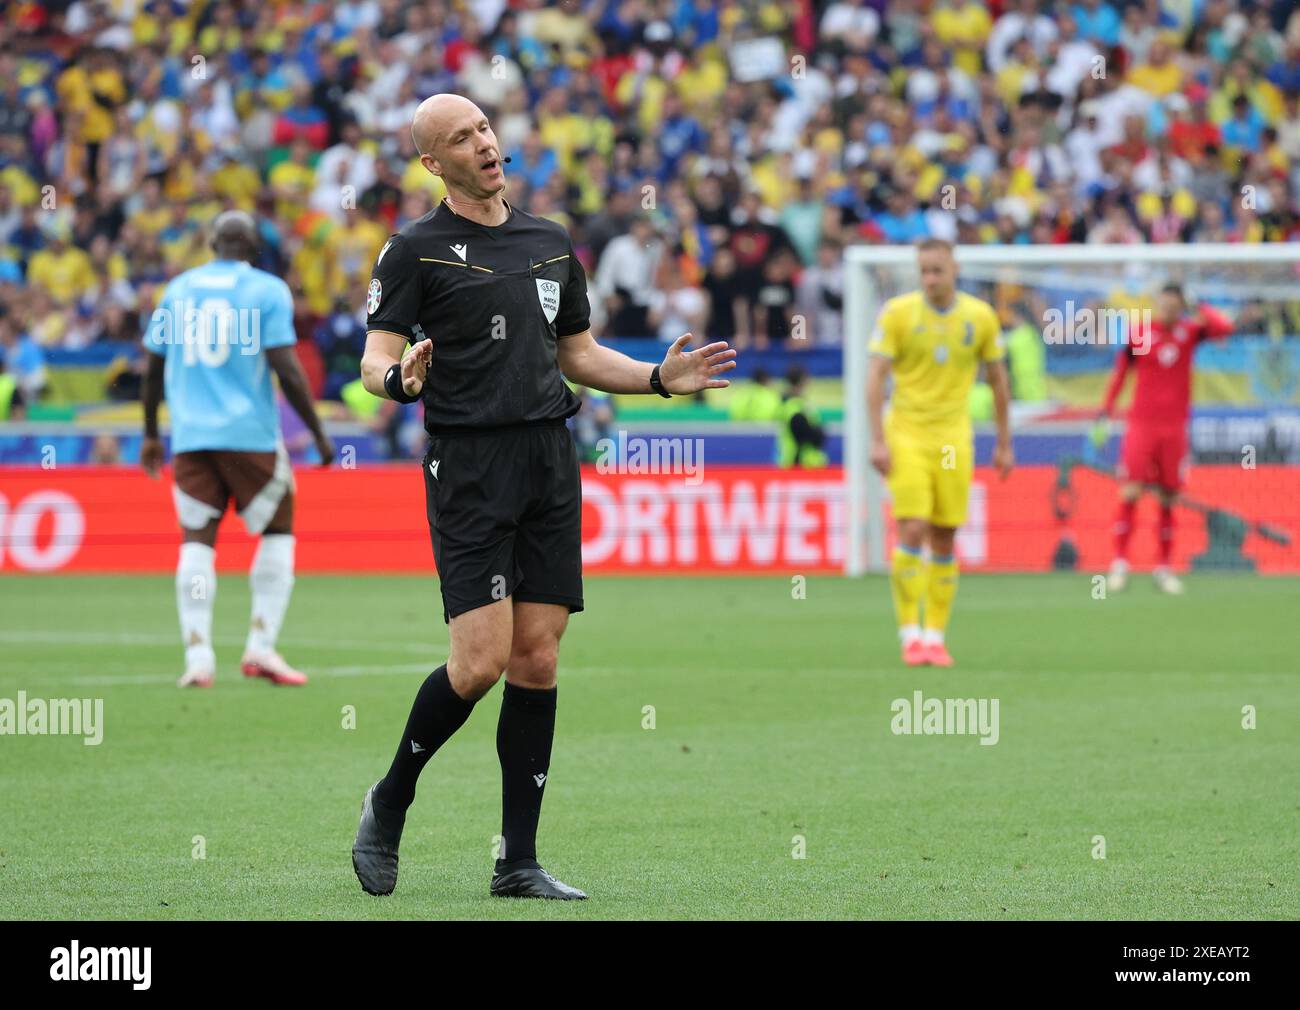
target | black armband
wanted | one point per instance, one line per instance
(657, 384)
(393, 385)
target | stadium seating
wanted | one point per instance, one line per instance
(757, 140)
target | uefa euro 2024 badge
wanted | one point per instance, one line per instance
(373, 295)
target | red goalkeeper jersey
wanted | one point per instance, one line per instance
(1162, 356)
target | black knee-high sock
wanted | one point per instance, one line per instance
(524, 735)
(437, 713)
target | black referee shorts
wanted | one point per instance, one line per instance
(505, 516)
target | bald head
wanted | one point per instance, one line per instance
(234, 236)
(436, 116)
(456, 143)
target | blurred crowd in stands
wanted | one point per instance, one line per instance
(710, 157)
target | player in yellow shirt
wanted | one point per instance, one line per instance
(933, 341)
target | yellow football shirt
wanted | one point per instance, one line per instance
(66, 275)
(936, 357)
(964, 30)
(1158, 81)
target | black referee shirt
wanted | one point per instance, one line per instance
(494, 301)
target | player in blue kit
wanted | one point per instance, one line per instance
(216, 336)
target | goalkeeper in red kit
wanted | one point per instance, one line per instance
(1155, 444)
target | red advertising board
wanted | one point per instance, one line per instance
(115, 519)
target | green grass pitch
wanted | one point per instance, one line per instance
(1119, 718)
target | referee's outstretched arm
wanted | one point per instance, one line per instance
(587, 363)
(580, 358)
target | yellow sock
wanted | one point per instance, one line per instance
(941, 587)
(907, 580)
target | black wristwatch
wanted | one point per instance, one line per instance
(657, 384)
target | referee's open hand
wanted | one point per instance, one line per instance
(690, 371)
(415, 366)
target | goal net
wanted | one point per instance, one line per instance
(1079, 302)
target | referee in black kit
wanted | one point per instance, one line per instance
(495, 303)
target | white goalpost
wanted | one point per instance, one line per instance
(1244, 278)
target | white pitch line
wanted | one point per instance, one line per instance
(83, 638)
(325, 671)
(376, 670)
(128, 638)
(405, 669)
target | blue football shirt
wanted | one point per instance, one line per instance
(214, 325)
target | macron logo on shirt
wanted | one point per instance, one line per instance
(461, 250)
